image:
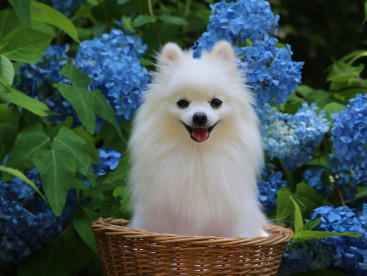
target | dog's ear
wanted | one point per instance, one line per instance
(171, 55)
(223, 51)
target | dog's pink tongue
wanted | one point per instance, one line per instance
(200, 134)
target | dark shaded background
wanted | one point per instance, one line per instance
(319, 32)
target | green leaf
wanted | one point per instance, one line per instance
(30, 141)
(6, 74)
(24, 45)
(21, 8)
(90, 140)
(119, 176)
(120, 2)
(143, 19)
(90, 176)
(43, 13)
(322, 160)
(298, 220)
(362, 53)
(8, 22)
(6, 114)
(343, 74)
(21, 176)
(307, 198)
(311, 224)
(123, 192)
(8, 133)
(68, 122)
(285, 207)
(304, 90)
(57, 171)
(66, 140)
(22, 100)
(82, 101)
(77, 77)
(320, 97)
(365, 13)
(95, 104)
(305, 235)
(174, 20)
(104, 110)
(361, 192)
(333, 108)
(82, 223)
(92, 2)
(67, 255)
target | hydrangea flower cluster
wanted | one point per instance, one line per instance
(112, 62)
(269, 184)
(345, 254)
(292, 138)
(238, 21)
(26, 222)
(270, 71)
(315, 178)
(22, 190)
(342, 177)
(66, 7)
(35, 79)
(108, 161)
(349, 136)
(251, 25)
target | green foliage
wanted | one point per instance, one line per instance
(45, 14)
(305, 198)
(6, 74)
(19, 174)
(87, 104)
(303, 232)
(67, 255)
(24, 45)
(64, 154)
(22, 100)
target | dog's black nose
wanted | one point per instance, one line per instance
(199, 118)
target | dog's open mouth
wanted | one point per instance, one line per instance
(199, 134)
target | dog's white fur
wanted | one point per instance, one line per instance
(185, 187)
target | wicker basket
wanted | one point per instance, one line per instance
(125, 251)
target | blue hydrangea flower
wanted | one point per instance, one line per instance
(349, 136)
(250, 25)
(305, 256)
(315, 178)
(342, 177)
(22, 190)
(66, 7)
(108, 161)
(26, 222)
(112, 62)
(349, 253)
(238, 21)
(292, 138)
(269, 184)
(35, 79)
(344, 254)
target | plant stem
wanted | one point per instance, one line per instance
(150, 7)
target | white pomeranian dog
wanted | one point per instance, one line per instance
(196, 149)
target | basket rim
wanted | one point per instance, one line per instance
(278, 235)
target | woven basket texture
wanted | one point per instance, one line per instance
(126, 251)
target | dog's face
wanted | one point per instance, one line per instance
(199, 97)
(198, 100)
(199, 119)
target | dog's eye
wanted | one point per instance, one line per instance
(183, 103)
(215, 103)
